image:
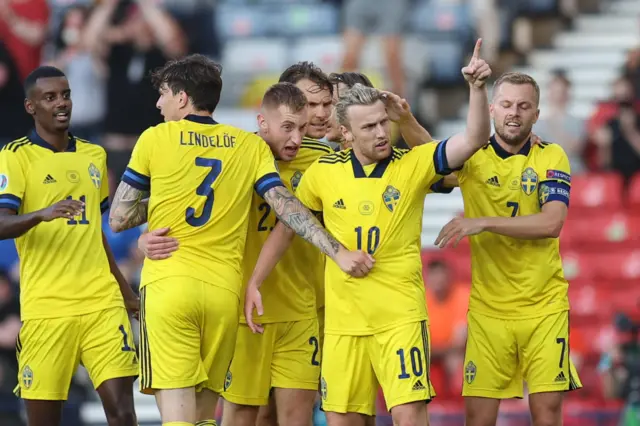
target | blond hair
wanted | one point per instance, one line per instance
(359, 94)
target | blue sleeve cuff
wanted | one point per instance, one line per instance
(440, 159)
(267, 182)
(104, 205)
(439, 187)
(136, 180)
(9, 201)
(554, 191)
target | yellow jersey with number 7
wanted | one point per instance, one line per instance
(201, 176)
(514, 278)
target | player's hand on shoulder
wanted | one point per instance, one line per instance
(355, 263)
(457, 229)
(253, 301)
(478, 71)
(398, 108)
(156, 245)
(535, 139)
(65, 209)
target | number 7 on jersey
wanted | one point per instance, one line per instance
(205, 189)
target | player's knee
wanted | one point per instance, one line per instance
(122, 415)
(546, 408)
(412, 414)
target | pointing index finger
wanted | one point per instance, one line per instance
(476, 49)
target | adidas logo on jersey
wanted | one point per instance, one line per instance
(339, 204)
(560, 377)
(418, 386)
(493, 181)
(49, 179)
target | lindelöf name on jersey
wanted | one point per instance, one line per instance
(206, 141)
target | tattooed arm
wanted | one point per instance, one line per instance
(297, 217)
(129, 208)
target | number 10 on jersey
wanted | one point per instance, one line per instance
(372, 239)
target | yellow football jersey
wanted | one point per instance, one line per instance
(201, 176)
(515, 278)
(376, 208)
(64, 269)
(289, 293)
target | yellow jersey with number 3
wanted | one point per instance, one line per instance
(64, 270)
(378, 209)
(513, 278)
(201, 176)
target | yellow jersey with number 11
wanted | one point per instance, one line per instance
(201, 176)
(513, 278)
(64, 270)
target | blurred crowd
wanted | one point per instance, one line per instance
(107, 48)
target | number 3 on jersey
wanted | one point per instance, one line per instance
(205, 189)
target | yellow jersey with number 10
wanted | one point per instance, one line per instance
(289, 293)
(64, 270)
(378, 209)
(514, 278)
(201, 176)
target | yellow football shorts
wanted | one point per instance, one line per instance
(502, 353)
(397, 359)
(187, 334)
(321, 326)
(50, 350)
(287, 355)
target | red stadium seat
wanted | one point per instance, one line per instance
(600, 232)
(596, 190)
(577, 265)
(633, 194)
(617, 265)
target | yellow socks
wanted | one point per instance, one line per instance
(207, 423)
(177, 424)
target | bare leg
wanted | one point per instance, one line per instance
(206, 404)
(177, 405)
(346, 419)
(353, 43)
(43, 413)
(410, 414)
(117, 399)
(239, 415)
(295, 406)
(393, 55)
(268, 415)
(481, 411)
(546, 408)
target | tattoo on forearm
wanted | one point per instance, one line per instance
(297, 217)
(128, 209)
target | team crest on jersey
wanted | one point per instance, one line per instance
(27, 377)
(391, 196)
(74, 177)
(529, 181)
(323, 389)
(94, 174)
(4, 182)
(470, 372)
(544, 193)
(227, 380)
(295, 180)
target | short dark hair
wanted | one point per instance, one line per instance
(306, 70)
(287, 94)
(38, 73)
(196, 75)
(518, 79)
(350, 78)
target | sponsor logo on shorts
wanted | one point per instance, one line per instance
(470, 372)
(27, 377)
(323, 389)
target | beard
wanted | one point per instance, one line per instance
(511, 138)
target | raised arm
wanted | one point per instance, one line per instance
(460, 147)
(400, 113)
(128, 208)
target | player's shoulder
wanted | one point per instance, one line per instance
(549, 148)
(91, 149)
(337, 157)
(15, 146)
(313, 145)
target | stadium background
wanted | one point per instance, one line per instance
(584, 53)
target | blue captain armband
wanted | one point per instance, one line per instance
(440, 159)
(267, 182)
(9, 201)
(553, 190)
(136, 180)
